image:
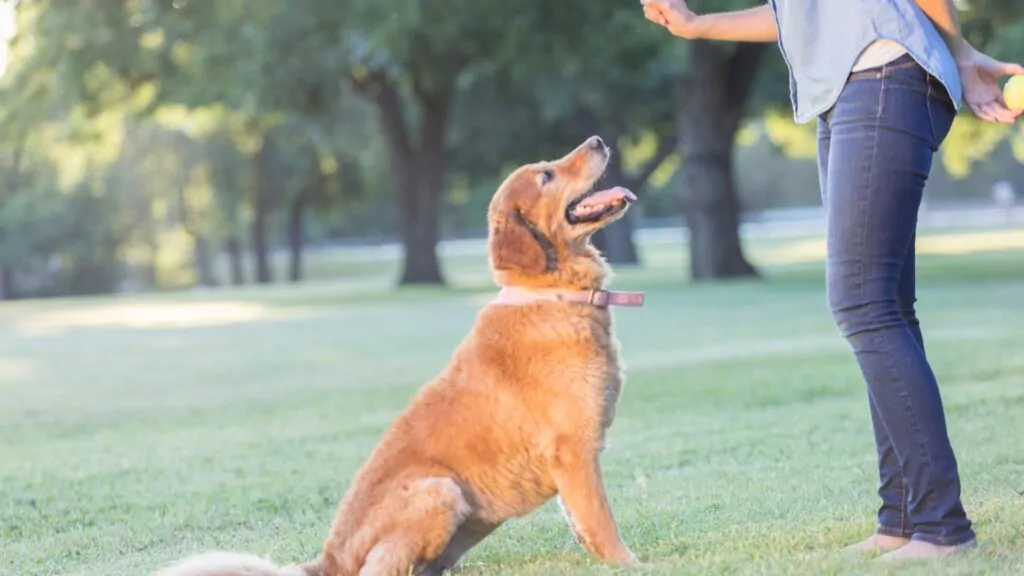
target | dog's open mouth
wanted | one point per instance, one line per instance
(597, 205)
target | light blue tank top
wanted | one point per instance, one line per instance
(821, 40)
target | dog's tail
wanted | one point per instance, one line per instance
(235, 564)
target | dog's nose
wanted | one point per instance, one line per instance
(595, 143)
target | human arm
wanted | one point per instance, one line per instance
(750, 25)
(979, 72)
(944, 15)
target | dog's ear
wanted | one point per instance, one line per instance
(517, 243)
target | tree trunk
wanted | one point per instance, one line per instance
(418, 168)
(150, 273)
(7, 291)
(201, 257)
(616, 241)
(296, 237)
(262, 200)
(233, 246)
(420, 217)
(12, 185)
(90, 276)
(312, 188)
(711, 105)
(203, 261)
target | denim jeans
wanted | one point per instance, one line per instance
(875, 149)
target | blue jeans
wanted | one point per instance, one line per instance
(875, 150)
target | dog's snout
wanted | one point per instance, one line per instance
(596, 143)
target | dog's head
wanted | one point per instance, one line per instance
(543, 215)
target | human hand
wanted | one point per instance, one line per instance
(674, 15)
(979, 74)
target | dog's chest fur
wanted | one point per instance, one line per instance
(601, 384)
(563, 358)
(553, 373)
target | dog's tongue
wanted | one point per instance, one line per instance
(609, 196)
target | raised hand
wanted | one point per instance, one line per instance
(674, 15)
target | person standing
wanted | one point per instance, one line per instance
(884, 79)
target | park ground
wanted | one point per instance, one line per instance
(137, 430)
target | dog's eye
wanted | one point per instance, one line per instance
(546, 176)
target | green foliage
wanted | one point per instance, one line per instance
(970, 141)
(170, 100)
(148, 116)
(33, 210)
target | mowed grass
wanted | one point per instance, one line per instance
(134, 431)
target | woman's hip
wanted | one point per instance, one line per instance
(900, 98)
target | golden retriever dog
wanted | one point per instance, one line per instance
(517, 417)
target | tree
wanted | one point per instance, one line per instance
(11, 183)
(408, 68)
(568, 82)
(274, 65)
(422, 59)
(712, 100)
(620, 90)
(226, 165)
(310, 169)
(285, 111)
(636, 86)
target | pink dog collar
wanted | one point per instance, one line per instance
(596, 298)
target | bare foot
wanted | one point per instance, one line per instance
(918, 550)
(878, 543)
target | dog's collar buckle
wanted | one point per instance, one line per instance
(606, 298)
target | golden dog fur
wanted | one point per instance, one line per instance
(518, 416)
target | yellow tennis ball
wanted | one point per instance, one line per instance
(1013, 93)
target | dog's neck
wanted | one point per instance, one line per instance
(596, 298)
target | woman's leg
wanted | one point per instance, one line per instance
(906, 295)
(883, 132)
(894, 528)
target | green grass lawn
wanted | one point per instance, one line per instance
(134, 431)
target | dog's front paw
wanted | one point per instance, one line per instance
(626, 558)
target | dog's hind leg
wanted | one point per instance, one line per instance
(465, 538)
(427, 513)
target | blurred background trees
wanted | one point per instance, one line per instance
(162, 144)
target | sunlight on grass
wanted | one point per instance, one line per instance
(149, 316)
(15, 370)
(742, 444)
(970, 243)
(813, 250)
(775, 346)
